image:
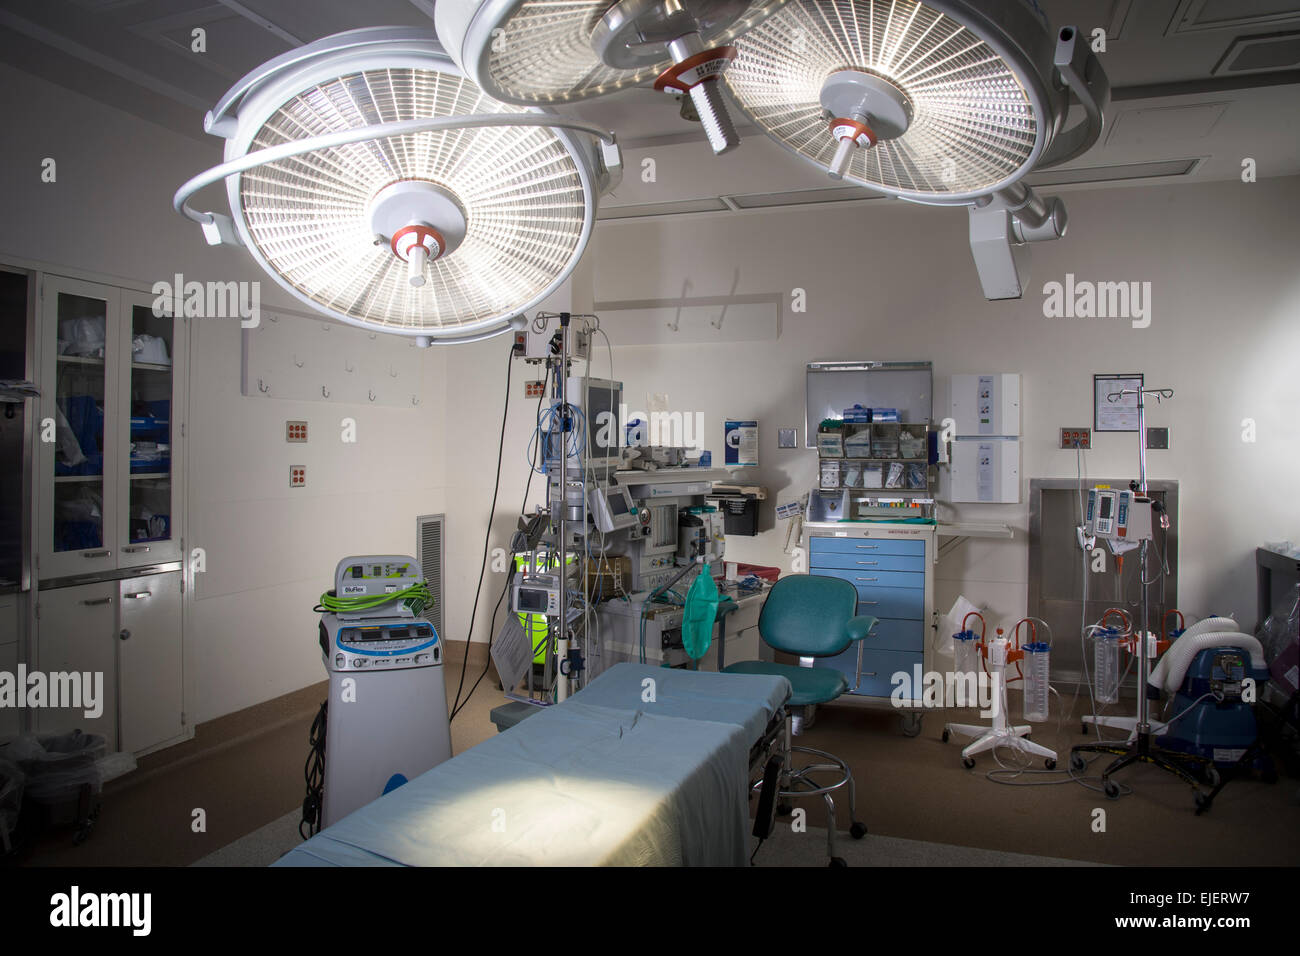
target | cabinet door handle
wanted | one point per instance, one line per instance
(123, 634)
(138, 594)
(98, 601)
(95, 554)
(135, 549)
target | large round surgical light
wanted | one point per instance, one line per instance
(936, 101)
(377, 183)
(544, 51)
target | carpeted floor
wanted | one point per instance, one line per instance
(245, 771)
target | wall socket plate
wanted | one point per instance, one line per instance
(297, 476)
(1076, 438)
(787, 438)
(1157, 438)
(534, 389)
(295, 431)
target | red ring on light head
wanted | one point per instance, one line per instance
(422, 234)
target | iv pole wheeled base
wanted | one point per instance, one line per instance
(988, 738)
(1140, 750)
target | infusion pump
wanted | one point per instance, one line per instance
(1116, 515)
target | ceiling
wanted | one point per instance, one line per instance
(1192, 95)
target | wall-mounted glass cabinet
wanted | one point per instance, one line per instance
(111, 402)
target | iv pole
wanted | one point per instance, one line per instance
(1141, 748)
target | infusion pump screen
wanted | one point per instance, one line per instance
(532, 600)
(1106, 503)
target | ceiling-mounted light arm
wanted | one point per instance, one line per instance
(1081, 73)
(220, 229)
(1001, 225)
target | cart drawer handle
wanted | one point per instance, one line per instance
(98, 601)
(138, 594)
(136, 549)
(869, 563)
(868, 547)
(95, 554)
(868, 579)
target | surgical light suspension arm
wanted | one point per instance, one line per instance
(1081, 73)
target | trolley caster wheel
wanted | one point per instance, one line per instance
(1202, 802)
(838, 861)
(911, 725)
(968, 762)
(1077, 763)
(945, 735)
(1212, 776)
(858, 830)
(784, 809)
(1049, 763)
(1111, 789)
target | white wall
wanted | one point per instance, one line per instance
(271, 551)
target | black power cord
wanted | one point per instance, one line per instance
(487, 537)
(510, 571)
(314, 773)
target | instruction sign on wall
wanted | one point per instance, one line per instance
(741, 443)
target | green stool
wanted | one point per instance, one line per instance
(812, 616)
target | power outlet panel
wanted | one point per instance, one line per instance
(1076, 438)
(295, 431)
(297, 476)
(534, 389)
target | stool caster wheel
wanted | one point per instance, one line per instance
(1049, 763)
(838, 861)
(1111, 789)
(1077, 763)
(784, 809)
(945, 735)
(1083, 728)
(858, 830)
(968, 762)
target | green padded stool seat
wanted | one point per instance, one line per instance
(812, 685)
(808, 615)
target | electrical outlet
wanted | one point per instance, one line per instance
(1076, 438)
(534, 389)
(1157, 438)
(297, 476)
(787, 437)
(295, 431)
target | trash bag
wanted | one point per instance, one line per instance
(701, 611)
(58, 765)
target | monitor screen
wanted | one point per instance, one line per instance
(600, 403)
(617, 503)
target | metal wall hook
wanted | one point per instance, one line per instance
(347, 367)
(415, 401)
(261, 387)
(371, 393)
(296, 362)
(392, 372)
(325, 392)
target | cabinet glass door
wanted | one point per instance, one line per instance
(149, 496)
(78, 422)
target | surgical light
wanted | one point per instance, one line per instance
(377, 183)
(942, 102)
(541, 51)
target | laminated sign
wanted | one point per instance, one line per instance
(742, 443)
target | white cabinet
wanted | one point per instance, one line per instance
(112, 387)
(76, 635)
(128, 631)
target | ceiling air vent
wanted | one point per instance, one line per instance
(1260, 54)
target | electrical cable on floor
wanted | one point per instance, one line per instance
(487, 538)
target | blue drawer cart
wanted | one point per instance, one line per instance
(892, 567)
